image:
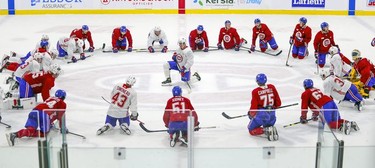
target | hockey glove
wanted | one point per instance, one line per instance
(161, 42)
(373, 42)
(316, 54)
(165, 49)
(196, 127)
(82, 56)
(91, 49)
(115, 50)
(303, 120)
(205, 49)
(237, 48)
(74, 59)
(252, 48)
(315, 116)
(199, 41)
(130, 49)
(151, 50)
(134, 116)
(220, 47)
(174, 57)
(0, 118)
(291, 40)
(66, 131)
(250, 117)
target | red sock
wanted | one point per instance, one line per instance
(256, 131)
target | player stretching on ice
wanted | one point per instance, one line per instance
(338, 65)
(318, 102)
(300, 39)
(83, 34)
(229, 36)
(198, 39)
(322, 42)
(265, 99)
(183, 60)
(42, 117)
(265, 36)
(123, 99)
(366, 70)
(157, 35)
(67, 47)
(175, 116)
(119, 37)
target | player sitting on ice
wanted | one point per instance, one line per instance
(42, 117)
(157, 35)
(300, 39)
(229, 36)
(83, 34)
(322, 42)
(120, 36)
(265, 36)
(183, 60)
(198, 39)
(338, 66)
(67, 47)
(322, 104)
(123, 99)
(176, 114)
(341, 90)
(365, 69)
(265, 99)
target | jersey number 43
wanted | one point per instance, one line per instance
(119, 99)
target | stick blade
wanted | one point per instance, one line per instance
(226, 115)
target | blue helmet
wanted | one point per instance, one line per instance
(122, 29)
(308, 83)
(44, 43)
(257, 20)
(200, 28)
(177, 91)
(60, 94)
(303, 20)
(85, 27)
(227, 21)
(261, 79)
(323, 25)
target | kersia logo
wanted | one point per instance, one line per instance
(371, 3)
(105, 2)
(199, 2)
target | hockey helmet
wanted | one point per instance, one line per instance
(45, 37)
(373, 42)
(79, 43)
(227, 22)
(177, 91)
(356, 54)
(182, 40)
(261, 79)
(157, 29)
(60, 94)
(55, 69)
(256, 21)
(303, 20)
(333, 50)
(123, 29)
(43, 43)
(38, 56)
(85, 28)
(324, 25)
(324, 73)
(308, 83)
(200, 28)
(131, 80)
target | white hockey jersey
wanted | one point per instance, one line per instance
(339, 67)
(46, 62)
(336, 87)
(29, 66)
(153, 38)
(122, 100)
(185, 57)
(69, 46)
(37, 46)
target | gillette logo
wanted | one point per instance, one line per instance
(34, 2)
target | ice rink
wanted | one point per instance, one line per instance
(227, 78)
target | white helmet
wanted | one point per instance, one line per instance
(79, 43)
(182, 40)
(45, 37)
(55, 69)
(53, 53)
(38, 55)
(324, 73)
(131, 80)
(157, 28)
(333, 50)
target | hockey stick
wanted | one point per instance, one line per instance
(233, 117)
(317, 62)
(110, 103)
(165, 130)
(79, 135)
(289, 125)
(102, 48)
(7, 125)
(79, 59)
(248, 49)
(287, 59)
(187, 82)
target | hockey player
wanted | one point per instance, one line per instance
(42, 117)
(365, 69)
(265, 36)
(300, 39)
(229, 36)
(183, 60)
(67, 47)
(43, 40)
(318, 102)
(338, 66)
(175, 116)
(265, 99)
(157, 35)
(123, 99)
(83, 34)
(341, 90)
(39, 82)
(322, 42)
(198, 39)
(120, 36)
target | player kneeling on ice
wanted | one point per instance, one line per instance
(83, 34)
(229, 36)
(157, 35)
(341, 90)
(265, 99)
(183, 60)
(265, 36)
(323, 105)
(42, 116)
(67, 47)
(340, 65)
(119, 37)
(176, 114)
(123, 99)
(198, 39)
(300, 39)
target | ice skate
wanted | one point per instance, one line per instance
(354, 126)
(124, 127)
(275, 134)
(268, 131)
(11, 137)
(174, 138)
(9, 80)
(345, 127)
(167, 82)
(197, 76)
(359, 105)
(100, 131)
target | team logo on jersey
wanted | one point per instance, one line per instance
(227, 38)
(371, 3)
(179, 58)
(298, 34)
(261, 36)
(326, 42)
(105, 2)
